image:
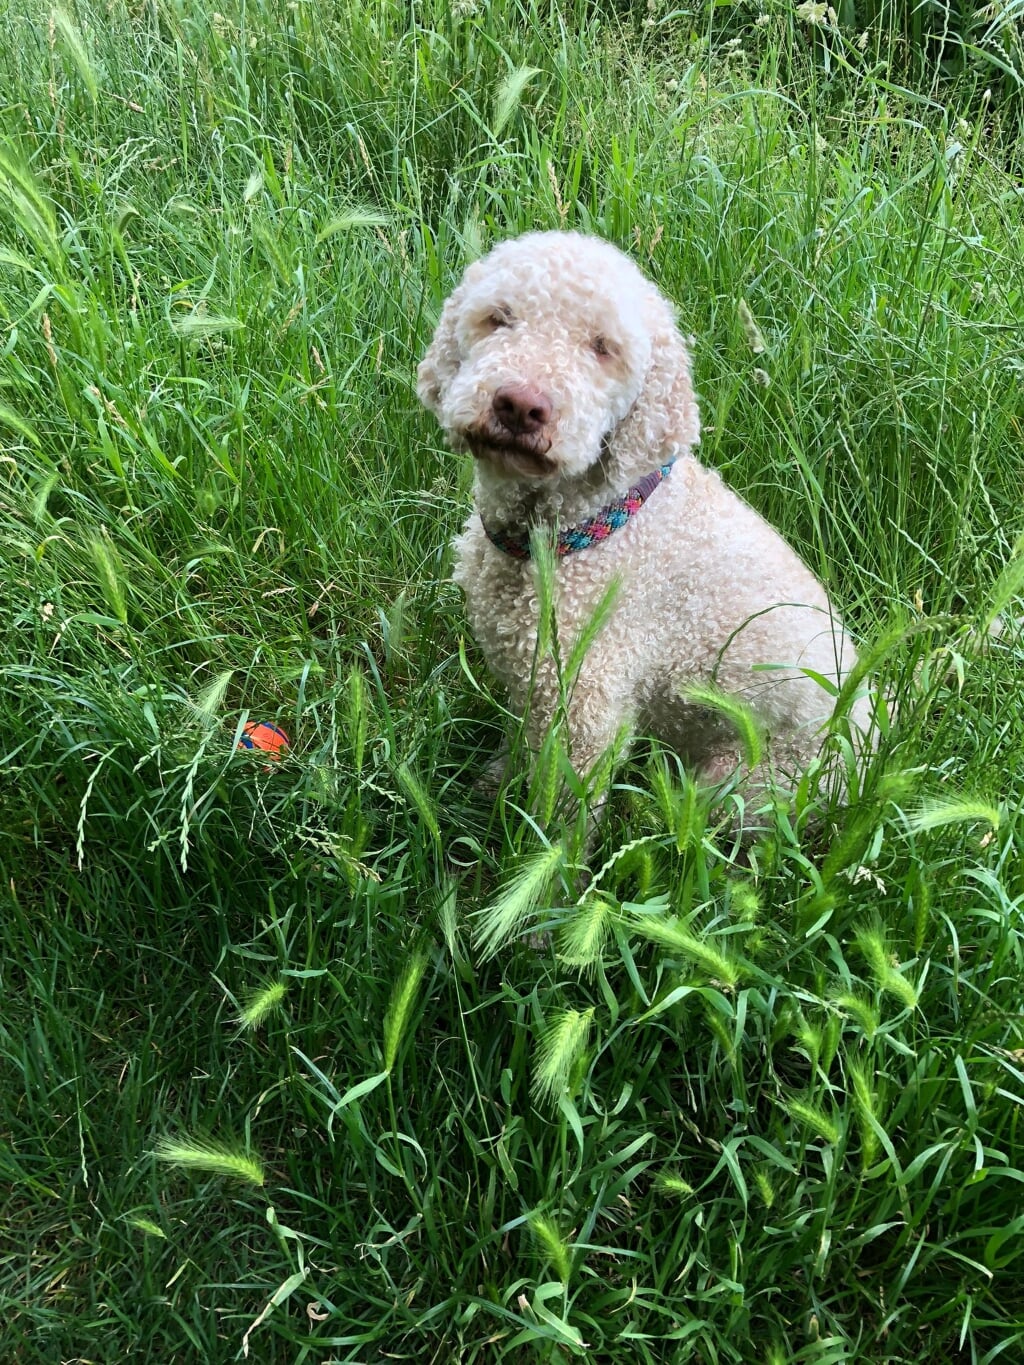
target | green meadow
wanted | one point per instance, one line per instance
(337, 1058)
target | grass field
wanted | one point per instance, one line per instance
(280, 1074)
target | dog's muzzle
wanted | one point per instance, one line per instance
(516, 433)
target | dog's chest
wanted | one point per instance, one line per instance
(503, 602)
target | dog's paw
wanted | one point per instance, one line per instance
(490, 781)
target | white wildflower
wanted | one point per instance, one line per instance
(866, 874)
(812, 12)
(751, 331)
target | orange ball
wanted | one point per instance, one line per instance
(260, 734)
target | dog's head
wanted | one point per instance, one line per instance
(553, 351)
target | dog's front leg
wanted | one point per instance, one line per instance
(590, 721)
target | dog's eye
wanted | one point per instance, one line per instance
(604, 348)
(499, 317)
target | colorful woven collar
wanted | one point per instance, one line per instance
(589, 532)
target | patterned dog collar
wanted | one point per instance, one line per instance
(589, 532)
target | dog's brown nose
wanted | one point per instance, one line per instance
(521, 409)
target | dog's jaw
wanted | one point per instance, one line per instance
(523, 455)
(511, 463)
(514, 492)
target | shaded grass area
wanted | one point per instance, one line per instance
(732, 1111)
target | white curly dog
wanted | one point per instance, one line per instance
(560, 368)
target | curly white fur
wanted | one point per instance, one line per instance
(708, 592)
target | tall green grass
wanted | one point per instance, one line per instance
(281, 1070)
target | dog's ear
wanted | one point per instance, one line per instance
(441, 362)
(665, 420)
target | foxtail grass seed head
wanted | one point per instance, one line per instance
(211, 699)
(873, 944)
(506, 916)
(582, 938)
(669, 1183)
(865, 1106)
(677, 803)
(813, 1117)
(874, 948)
(591, 629)
(898, 986)
(209, 1157)
(809, 1036)
(420, 799)
(561, 1048)
(74, 45)
(546, 785)
(509, 95)
(765, 1188)
(448, 915)
(260, 1002)
(201, 326)
(746, 903)
(358, 216)
(110, 574)
(671, 935)
(861, 1011)
(403, 1001)
(937, 814)
(552, 1246)
(543, 556)
(740, 716)
(15, 422)
(30, 209)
